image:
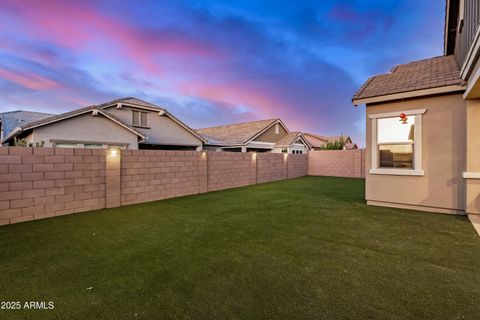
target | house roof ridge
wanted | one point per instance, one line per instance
(239, 123)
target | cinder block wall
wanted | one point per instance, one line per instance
(228, 170)
(338, 163)
(272, 166)
(38, 183)
(148, 175)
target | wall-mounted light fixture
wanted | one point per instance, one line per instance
(113, 152)
(254, 155)
(161, 113)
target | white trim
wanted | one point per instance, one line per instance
(374, 144)
(471, 83)
(471, 175)
(396, 114)
(410, 94)
(131, 105)
(266, 128)
(90, 110)
(121, 124)
(304, 141)
(397, 172)
(159, 110)
(270, 144)
(417, 145)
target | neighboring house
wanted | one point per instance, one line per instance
(13, 119)
(319, 142)
(260, 136)
(423, 124)
(129, 123)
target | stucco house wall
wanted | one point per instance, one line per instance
(473, 156)
(85, 128)
(270, 136)
(161, 129)
(442, 188)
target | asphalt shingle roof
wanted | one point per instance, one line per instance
(234, 134)
(19, 118)
(131, 100)
(288, 139)
(424, 74)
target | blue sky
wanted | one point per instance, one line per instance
(212, 62)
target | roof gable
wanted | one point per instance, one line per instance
(141, 104)
(67, 115)
(291, 138)
(238, 133)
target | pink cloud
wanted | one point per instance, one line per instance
(31, 81)
(81, 26)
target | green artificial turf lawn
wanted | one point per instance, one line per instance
(306, 248)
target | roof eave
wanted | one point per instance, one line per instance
(15, 132)
(409, 94)
(155, 108)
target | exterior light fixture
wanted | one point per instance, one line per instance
(113, 152)
(161, 113)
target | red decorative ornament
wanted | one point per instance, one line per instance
(403, 118)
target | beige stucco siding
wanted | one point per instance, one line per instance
(270, 136)
(444, 143)
(161, 129)
(473, 156)
(85, 128)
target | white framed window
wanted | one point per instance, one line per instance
(396, 144)
(139, 118)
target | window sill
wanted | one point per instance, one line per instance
(471, 175)
(397, 172)
(143, 127)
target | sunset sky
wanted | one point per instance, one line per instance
(212, 62)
